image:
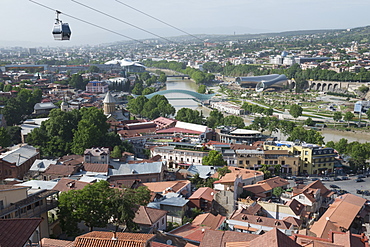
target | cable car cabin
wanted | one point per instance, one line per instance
(61, 31)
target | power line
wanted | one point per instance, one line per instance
(90, 23)
(178, 29)
(115, 18)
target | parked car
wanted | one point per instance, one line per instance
(337, 179)
(360, 180)
(345, 178)
(334, 186)
(366, 193)
(325, 179)
(314, 179)
(361, 176)
(359, 191)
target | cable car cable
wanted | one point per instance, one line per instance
(92, 24)
(178, 29)
(115, 18)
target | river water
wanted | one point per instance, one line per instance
(180, 100)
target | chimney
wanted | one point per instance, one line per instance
(114, 236)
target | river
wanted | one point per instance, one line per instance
(179, 100)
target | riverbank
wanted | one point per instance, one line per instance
(351, 136)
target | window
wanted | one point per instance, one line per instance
(247, 162)
(305, 152)
(305, 159)
(162, 221)
(1, 205)
(240, 162)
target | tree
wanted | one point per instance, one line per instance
(309, 122)
(348, 116)
(190, 116)
(202, 89)
(77, 81)
(222, 171)
(213, 158)
(309, 136)
(5, 139)
(215, 119)
(295, 111)
(97, 204)
(337, 116)
(162, 78)
(90, 205)
(363, 89)
(286, 127)
(233, 120)
(277, 191)
(116, 153)
(124, 204)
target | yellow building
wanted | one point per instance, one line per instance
(313, 159)
(253, 159)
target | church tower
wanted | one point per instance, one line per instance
(109, 104)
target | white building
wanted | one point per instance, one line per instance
(228, 108)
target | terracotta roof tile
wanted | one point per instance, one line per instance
(148, 216)
(66, 184)
(48, 242)
(104, 239)
(274, 238)
(93, 167)
(220, 238)
(205, 193)
(16, 232)
(62, 170)
(241, 215)
(160, 187)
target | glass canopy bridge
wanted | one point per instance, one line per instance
(178, 94)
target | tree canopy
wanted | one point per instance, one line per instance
(303, 135)
(97, 204)
(213, 158)
(157, 106)
(73, 132)
(190, 116)
(295, 111)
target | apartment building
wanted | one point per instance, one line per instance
(313, 159)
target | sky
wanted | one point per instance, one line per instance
(27, 24)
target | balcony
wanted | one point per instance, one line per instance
(32, 206)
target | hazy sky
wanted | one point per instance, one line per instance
(27, 24)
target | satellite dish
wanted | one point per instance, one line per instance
(169, 242)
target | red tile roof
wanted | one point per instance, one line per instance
(16, 232)
(148, 216)
(220, 238)
(195, 230)
(273, 238)
(66, 184)
(179, 130)
(48, 242)
(340, 214)
(92, 167)
(205, 193)
(104, 239)
(62, 170)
